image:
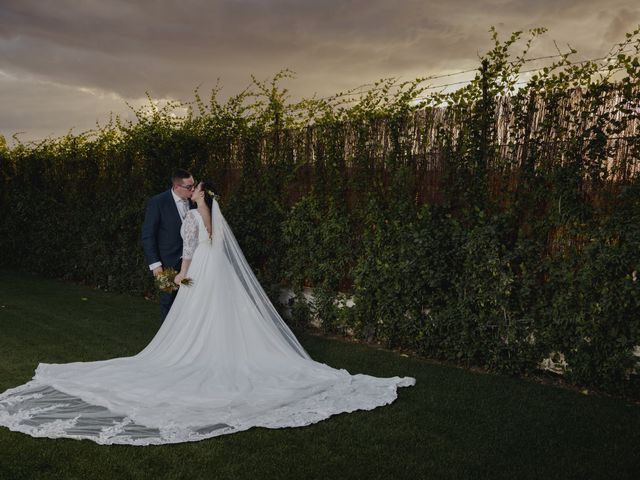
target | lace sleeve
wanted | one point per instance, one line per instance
(189, 236)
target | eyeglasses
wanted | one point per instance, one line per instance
(188, 187)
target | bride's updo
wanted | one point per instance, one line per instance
(209, 190)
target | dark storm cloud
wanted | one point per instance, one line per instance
(93, 54)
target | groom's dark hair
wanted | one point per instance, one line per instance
(179, 174)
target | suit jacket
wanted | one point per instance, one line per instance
(161, 238)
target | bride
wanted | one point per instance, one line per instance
(222, 362)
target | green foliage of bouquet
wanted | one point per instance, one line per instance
(165, 281)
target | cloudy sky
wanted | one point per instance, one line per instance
(67, 64)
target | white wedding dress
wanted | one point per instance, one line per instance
(222, 362)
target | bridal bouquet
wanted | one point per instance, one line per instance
(165, 281)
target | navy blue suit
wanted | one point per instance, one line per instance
(161, 239)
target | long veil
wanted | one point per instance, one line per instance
(223, 361)
(227, 242)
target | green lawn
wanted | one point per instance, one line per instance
(453, 424)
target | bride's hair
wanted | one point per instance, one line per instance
(206, 188)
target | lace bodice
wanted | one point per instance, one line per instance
(193, 231)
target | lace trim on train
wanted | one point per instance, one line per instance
(42, 414)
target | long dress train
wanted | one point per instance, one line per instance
(222, 362)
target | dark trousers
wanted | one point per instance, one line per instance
(166, 299)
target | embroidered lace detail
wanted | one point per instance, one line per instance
(194, 232)
(189, 232)
(66, 416)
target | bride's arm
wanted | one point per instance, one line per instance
(189, 244)
(183, 271)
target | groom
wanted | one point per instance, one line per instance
(161, 238)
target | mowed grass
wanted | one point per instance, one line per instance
(454, 424)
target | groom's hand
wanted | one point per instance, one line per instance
(156, 271)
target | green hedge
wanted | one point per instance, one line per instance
(492, 226)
